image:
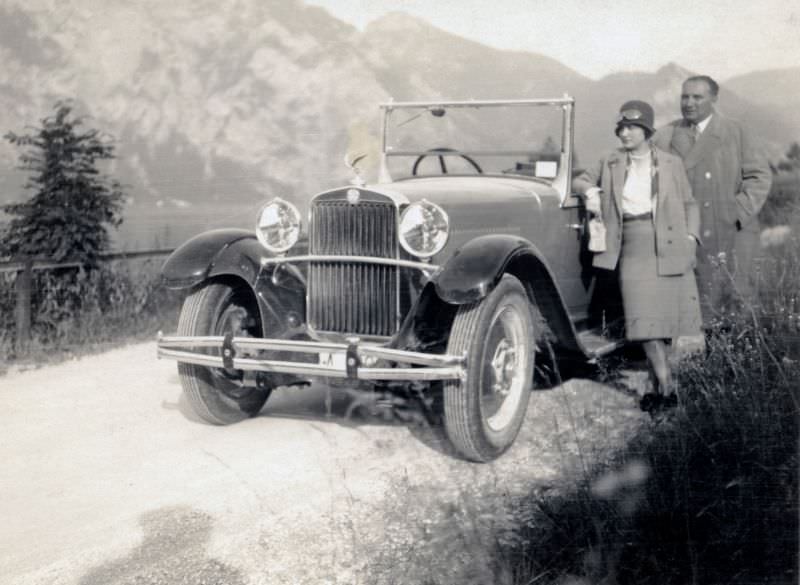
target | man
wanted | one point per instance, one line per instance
(730, 179)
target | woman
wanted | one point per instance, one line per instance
(652, 224)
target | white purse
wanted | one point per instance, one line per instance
(597, 234)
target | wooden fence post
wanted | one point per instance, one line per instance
(24, 286)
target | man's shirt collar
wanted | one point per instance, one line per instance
(701, 126)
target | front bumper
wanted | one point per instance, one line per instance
(350, 360)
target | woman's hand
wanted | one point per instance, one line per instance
(592, 202)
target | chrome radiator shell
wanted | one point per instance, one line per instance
(354, 298)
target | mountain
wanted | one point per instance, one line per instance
(208, 100)
(412, 59)
(217, 105)
(775, 89)
(771, 87)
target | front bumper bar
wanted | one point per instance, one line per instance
(337, 360)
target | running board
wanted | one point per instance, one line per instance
(596, 345)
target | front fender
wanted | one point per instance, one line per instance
(233, 254)
(224, 251)
(475, 269)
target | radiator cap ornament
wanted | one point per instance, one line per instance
(351, 163)
(353, 196)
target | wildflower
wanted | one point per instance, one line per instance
(633, 475)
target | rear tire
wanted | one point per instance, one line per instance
(484, 412)
(217, 395)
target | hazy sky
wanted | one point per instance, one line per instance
(721, 38)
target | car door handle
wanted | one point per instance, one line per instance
(578, 227)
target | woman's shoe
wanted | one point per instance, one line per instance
(669, 401)
(650, 402)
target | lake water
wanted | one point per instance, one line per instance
(160, 228)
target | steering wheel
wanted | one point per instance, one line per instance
(440, 154)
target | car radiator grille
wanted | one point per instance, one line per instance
(355, 297)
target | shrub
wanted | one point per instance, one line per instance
(784, 199)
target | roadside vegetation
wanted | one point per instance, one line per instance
(79, 311)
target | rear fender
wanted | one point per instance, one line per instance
(475, 269)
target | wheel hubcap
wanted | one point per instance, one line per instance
(503, 366)
(234, 320)
(506, 361)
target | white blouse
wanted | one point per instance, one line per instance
(637, 195)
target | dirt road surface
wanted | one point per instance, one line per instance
(107, 479)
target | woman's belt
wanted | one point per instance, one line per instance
(637, 217)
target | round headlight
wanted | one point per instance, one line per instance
(424, 228)
(278, 225)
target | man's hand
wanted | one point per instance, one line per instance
(692, 252)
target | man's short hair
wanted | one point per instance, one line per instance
(713, 86)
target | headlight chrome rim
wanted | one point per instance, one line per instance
(281, 231)
(434, 218)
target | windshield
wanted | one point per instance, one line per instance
(508, 137)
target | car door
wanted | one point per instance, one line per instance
(561, 240)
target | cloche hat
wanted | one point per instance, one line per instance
(637, 113)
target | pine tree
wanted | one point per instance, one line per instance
(74, 203)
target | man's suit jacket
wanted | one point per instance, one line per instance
(730, 179)
(676, 214)
(729, 175)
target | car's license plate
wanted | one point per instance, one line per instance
(335, 359)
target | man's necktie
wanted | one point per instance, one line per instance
(694, 132)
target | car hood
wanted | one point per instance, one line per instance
(466, 190)
(479, 206)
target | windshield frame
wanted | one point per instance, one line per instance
(567, 104)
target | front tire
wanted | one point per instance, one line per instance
(217, 395)
(484, 412)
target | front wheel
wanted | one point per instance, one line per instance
(220, 396)
(484, 412)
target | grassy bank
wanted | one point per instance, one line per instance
(707, 495)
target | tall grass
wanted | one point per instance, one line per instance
(75, 311)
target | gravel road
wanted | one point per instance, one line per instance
(108, 479)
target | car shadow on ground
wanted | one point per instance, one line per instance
(173, 550)
(421, 413)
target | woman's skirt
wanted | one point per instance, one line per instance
(656, 307)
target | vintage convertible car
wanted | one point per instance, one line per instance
(448, 275)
